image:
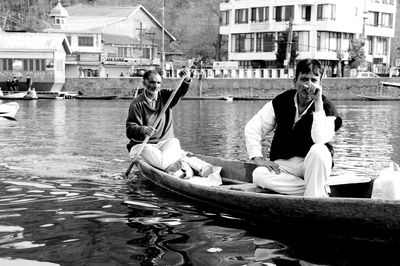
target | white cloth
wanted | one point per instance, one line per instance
(160, 155)
(315, 168)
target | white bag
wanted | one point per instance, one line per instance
(387, 185)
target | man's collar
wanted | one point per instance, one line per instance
(148, 98)
(297, 104)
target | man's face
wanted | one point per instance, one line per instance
(153, 83)
(302, 85)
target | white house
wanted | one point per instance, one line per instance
(321, 28)
(41, 56)
(109, 40)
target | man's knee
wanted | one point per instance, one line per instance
(260, 175)
(319, 154)
(319, 151)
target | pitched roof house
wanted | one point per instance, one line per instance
(109, 40)
(41, 56)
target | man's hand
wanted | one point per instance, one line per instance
(315, 92)
(260, 161)
(149, 131)
(185, 73)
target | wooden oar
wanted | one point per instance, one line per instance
(165, 107)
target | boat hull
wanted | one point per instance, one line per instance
(353, 218)
(101, 97)
(380, 98)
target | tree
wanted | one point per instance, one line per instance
(357, 53)
(282, 48)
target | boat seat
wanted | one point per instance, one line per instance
(248, 187)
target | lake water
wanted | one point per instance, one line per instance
(60, 205)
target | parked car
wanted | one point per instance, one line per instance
(139, 72)
(366, 75)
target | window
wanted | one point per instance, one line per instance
(111, 55)
(346, 41)
(381, 46)
(330, 41)
(243, 42)
(265, 42)
(387, 20)
(283, 13)
(42, 65)
(373, 19)
(306, 13)
(49, 64)
(224, 19)
(85, 41)
(259, 14)
(122, 52)
(37, 65)
(25, 65)
(146, 52)
(326, 12)
(369, 44)
(69, 40)
(241, 16)
(302, 39)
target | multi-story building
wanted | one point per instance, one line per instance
(109, 41)
(321, 29)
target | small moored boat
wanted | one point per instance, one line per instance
(100, 97)
(18, 96)
(337, 216)
(8, 111)
(381, 97)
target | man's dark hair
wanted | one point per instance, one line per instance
(148, 73)
(306, 66)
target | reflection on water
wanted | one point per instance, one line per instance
(58, 205)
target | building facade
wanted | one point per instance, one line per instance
(41, 56)
(319, 29)
(109, 41)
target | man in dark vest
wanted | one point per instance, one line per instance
(304, 122)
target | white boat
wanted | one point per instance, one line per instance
(8, 110)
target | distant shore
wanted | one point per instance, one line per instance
(237, 89)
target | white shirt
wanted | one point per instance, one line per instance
(264, 122)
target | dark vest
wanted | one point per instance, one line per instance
(292, 139)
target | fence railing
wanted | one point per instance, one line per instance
(237, 73)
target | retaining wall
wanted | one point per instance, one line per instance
(334, 88)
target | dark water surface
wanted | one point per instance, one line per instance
(59, 203)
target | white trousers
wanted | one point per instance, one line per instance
(299, 176)
(160, 155)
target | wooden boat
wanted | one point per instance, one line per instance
(381, 97)
(18, 96)
(101, 97)
(338, 216)
(51, 96)
(8, 111)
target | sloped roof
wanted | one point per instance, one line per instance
(33, 42)
(84, 18)
(120, 39)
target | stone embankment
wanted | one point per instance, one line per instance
(257, 88)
